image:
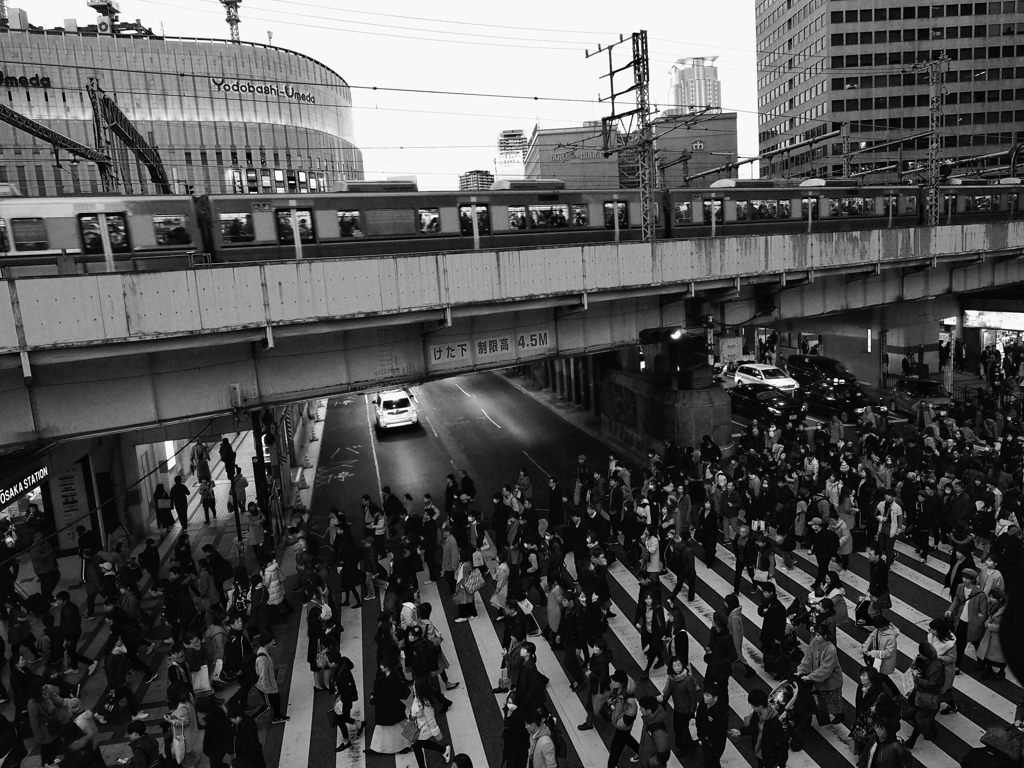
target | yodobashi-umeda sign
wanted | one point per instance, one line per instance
(23, 486)
(9, 80)
(224, 85)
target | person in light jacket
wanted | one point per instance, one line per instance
(967, 612)
(820, 666)
(735, 623)
(542, 745)
(842, 530)
(880, 649)
(266, 679)
(421, 712)
(991, 658)
(183, 715)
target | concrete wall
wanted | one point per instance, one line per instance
(640, 412)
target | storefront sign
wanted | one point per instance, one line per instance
(264, 89)
(14, 81)
(23, 486)
(67, 489)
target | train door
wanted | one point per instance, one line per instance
(474, 220)
(104, 233)
(809, 210)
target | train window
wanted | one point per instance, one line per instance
(483, 219)
(117, 231)
(30, 235)
(171, 229)
(545, 216)
(809, 206)
(763, 209)
(517, 217)
(784, 209)
(609, 222)
(948, 200)
(580, 215)
(981, 203)
(349, 224)
(4, 243)
(910, 205)
(718, 210)
(890, 205)
(742, 210)
(430, 220)
(304, 221)
(682, 213)
(237, 228)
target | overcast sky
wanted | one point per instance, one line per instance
(522, 49)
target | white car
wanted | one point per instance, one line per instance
(395, 408)
(758, 373)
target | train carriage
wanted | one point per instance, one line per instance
(91, 234)
(365, 222)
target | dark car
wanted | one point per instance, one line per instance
(909, 393)
(767, 404)
(847, 402)
(808, 368)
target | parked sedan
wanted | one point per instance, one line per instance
(767, 404)
(847, 402)
(757, 373)
(908, 393)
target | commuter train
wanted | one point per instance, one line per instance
(95, 233)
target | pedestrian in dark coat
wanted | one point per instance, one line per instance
(179, 494)
(720, 654)
(767, 735)
(247, 748)
(713, 723)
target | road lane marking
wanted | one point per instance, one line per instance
(373, 445)
(536, 463)
(489, 418)
(461, 390)
(461, 713)
(335, 452)
(297, 731)
(431, 425)
(350, 449)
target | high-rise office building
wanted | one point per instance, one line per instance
(866, 63)
(693, 85)
(511, 160)
(474, 180)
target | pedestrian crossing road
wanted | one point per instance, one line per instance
(490, 428)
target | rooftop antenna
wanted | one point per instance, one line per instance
(270, 35)
(231, 6)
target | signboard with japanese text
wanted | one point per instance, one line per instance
(67, 490)
(487, 348)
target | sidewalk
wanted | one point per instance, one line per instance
(221, 533)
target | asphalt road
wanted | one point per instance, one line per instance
(483, 424)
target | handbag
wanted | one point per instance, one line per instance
(473, 582)
(1005, 739)
(926, 701)
(410, 731)
(201, 681)
(178, 742)
(322, 661)
(526, 606)
(761, 576)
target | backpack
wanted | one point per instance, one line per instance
(558, 738)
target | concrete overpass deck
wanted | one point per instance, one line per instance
(82, 354)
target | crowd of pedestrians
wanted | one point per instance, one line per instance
(208, 634)
(949, 487)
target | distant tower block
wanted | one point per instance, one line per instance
(231, 6)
